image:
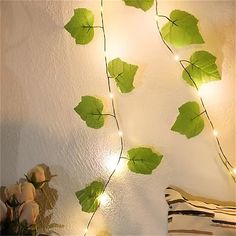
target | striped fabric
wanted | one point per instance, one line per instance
(190, 216)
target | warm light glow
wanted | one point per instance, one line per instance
(86, 231)
(215, 132)
(111, 95)
(176, 57)
(156, 18)
(104, 199)
(105, 53)
(111, 164)
(101, 9)
(120, 133)
(200, 92)
(234, 171)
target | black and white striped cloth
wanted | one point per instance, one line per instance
(190, 216)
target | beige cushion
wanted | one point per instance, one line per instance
(190, 215)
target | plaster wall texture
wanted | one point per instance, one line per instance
(44, 74)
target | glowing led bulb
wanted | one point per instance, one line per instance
(104, 199)
(199, 92)
(86, 231)
(156, 18)
(111, 95)
(101, 9)
(120, 133)
(176, 57)
(105, 53)
(234, 171)
(215, 132)
(111, 164)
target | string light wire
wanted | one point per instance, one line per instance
(220, 151)
(114, 114)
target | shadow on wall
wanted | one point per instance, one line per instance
(12, 114)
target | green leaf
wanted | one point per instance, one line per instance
(90, 110)
(142, 4)
(88, 197)
(80, 26)
(143, 160)
(202, 69)
(182, 31)
(189, 122)
(123, 73)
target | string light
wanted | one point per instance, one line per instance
(104, 198)
(176, 57)
(86, 231)
(215, 132)
(120, 133)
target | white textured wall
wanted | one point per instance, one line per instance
(44, 74)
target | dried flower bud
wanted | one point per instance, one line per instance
(12, 194)
(37, 176)
(27, 192)
(19, 193)
(28, 212)
(3, 211)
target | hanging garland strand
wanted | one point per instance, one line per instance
(220, 151)
(113, 112)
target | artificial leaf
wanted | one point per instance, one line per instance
(88, 197)
(123, 73)
(182, 30)
(142, 4)
(202, 69)
(90, 110)
(189, 122)
(80, 26)
(143, 160)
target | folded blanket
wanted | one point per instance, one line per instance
(190, 215)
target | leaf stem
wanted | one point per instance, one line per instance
(173, 22)
(102, 114)
(92, 26)
(198, 115)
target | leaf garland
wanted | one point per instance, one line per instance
(202, 69)
(90, 110)
(80, 26)
(189, 121)
(181, 30)
(123, 73)
(88, 197)
(143, 160)
(142, 4)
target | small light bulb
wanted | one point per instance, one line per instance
(105, 53)
(86, 230)
(234, 171)
(156, 18)
(111, 164)
(176, 57)
(199, 92)
(111, 95)
(120, 133)
(101, 9)
(104, 199)
(215, 132)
